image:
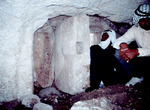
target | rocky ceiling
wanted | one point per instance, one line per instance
(32, 10)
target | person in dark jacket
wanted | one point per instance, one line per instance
(102, 56)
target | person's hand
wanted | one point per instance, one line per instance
(130, 53)
(126, 53)
(123, 48)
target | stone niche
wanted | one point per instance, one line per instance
(61, 51)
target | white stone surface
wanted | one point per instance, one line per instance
(30, 100)
(72, 56)
(94, 104)
(42, 106)
(21, 18)
(48, 92)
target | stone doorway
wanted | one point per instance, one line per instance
(61, 51)
(59, 42)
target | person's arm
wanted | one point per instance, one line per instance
(144, 51)
(126, 38)
(122, 43)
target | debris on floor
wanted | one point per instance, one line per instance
(117, 97)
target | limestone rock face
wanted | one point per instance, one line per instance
(48, 92)
(95, 104)
(30, 100)
(42, 106)
(72, 54)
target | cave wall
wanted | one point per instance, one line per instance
(21, 18)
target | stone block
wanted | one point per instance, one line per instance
(30, 100)
(42, 106)
(43, 54)
(72, 57)
(48, 92)
(95, 104)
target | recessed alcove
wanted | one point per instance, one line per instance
(61, 49)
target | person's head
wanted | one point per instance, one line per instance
(108, 34)
(141, 16)
(144, 23)
(108, 38)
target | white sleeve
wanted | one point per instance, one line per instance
(144, 51)
(126, 38)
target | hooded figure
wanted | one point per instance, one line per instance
(110, 40)
(101, 65)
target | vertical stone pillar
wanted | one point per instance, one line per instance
(43, 55)
(72, 56)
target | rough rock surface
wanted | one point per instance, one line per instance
(117, 97)
(48, 92)
(21, 18)
(42, 106)
(30, 100)
(94, 104)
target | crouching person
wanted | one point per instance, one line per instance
(136, 61)
(101, 65)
